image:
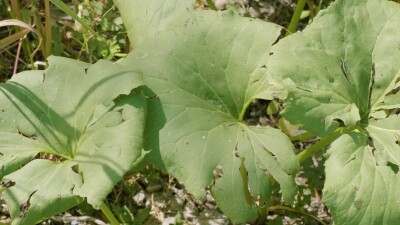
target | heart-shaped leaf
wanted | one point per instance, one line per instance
(344, 70)
(82, 121)
(201, 73)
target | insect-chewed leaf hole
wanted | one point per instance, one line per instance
(8, 184)
(395, 90)
(340, 122)
(218, 172)
(371, 143)
(33, 137)
(75, 168)
(394, 167)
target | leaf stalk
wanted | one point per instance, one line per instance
(296, 17)
(246, 105)
(262, 212)
(308, 152)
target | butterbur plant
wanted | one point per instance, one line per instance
(178, 101)
(197, 100)
(68, 134)
(344, 78)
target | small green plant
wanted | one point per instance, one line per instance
(70, 133)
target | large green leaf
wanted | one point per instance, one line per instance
(201, 73)
(144, 18)
(85, 118)
(42, 189)
(357, 189)
(330, 64)
(344, 69)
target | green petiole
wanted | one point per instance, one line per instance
(308, 152)
(296, 17)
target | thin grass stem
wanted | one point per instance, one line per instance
(109, 215)
(285, 208)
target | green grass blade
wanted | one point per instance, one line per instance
(109, 215)
(12, 38)
(62, 6)
(19, 23)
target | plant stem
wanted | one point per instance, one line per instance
(246, 105)
(302, 137)
(296, 17)
(281, 207)
(47, 30)
(262, 212)
(110, 216)
(322, 143)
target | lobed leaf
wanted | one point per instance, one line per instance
(42, 189)
(70, 115)
(340, 66)
(144, 19)
(358, 190)
(343, 70)
(201, 73)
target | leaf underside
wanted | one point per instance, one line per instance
(200, 74)
(343, 70)
(88, 136)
